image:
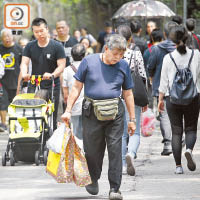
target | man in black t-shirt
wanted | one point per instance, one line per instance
(102, 36)
(65, 39)
(47, 57)
(68, 42)
(136, 29)
(11, 54)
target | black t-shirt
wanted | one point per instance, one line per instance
(141, 43)
(102, 37)
(12, 58)
(44, 59)
(68, 47)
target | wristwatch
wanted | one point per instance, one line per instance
(132, 120)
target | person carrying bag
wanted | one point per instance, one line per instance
(139, 90)
(69, 165)
(180, 84)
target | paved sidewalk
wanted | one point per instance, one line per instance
(154, 180)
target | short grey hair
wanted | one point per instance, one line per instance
(116, 41)
(78, 52)
(5, 30)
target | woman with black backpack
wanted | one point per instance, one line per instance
(180, 85)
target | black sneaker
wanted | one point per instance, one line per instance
(93, 188)
(166, 152)
(113, 195)
(167, 149)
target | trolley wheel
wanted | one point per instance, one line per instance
(45, 157)
(4, 159)
(12, 159)
(37, 158)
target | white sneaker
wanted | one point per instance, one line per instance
(190, 161)
(179, 170)
(130, 165)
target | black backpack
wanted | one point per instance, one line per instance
(183, 89)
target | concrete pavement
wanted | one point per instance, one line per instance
(154, 180)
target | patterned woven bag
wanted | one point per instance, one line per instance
(81, 172)
(56, 162)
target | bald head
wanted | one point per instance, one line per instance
(62, 29)
(62, 22)
(7, 38)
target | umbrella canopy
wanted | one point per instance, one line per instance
(143, 8)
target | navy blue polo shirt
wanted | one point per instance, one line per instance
(103, 81)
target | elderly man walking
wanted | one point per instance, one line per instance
(104, 76)
(11, 54)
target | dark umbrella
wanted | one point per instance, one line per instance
(143, 8)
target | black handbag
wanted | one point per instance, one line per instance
(139, 89)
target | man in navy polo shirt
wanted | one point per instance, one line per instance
(104, 76)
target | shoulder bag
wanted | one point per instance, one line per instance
(139, 90)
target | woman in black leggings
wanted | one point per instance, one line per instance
(182, 117)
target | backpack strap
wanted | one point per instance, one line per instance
(188, 63)
(191, 58)
(73, 68)
(173, 61)
(130, 59)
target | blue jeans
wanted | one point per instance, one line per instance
(77, 126)
(134, 140)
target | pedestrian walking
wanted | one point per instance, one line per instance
(178, 19)
(151, 25)
(11, 54)
(193, 41)
(154, 69)
(86, 34)
(65, 39)
(67, 42)
(135, 60)
(77, 34)
(86, 43)
(181, 59)
(23, 86)
(104, 76)
(136, 29)
(78, 53)
(48, 59)
(103, 35)
(23, 42)
(156, 37)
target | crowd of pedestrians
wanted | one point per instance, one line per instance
(94, 87)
